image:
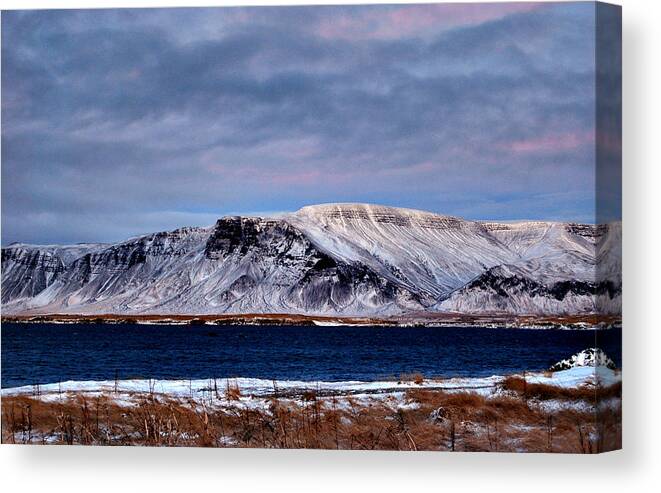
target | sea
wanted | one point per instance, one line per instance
(50, 353)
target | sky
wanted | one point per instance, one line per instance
(120, 122)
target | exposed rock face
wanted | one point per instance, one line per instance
(503, 290)
(352, 259)
(277, 262)
(233, 234)
(28, 272)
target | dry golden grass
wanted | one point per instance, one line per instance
(416, 378)
(438, 420)
(233, 392)
(589, 393)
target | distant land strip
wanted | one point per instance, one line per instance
(584, 321)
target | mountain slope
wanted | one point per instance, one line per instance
(425, 252)
(562, 269)
(350, 259)
(28, 270)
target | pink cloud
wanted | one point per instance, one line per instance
(551, 143)
(415, 20)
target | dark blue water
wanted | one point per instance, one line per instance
(48, 353)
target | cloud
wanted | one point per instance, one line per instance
(551, 143)
(407, 21)
(122, 114)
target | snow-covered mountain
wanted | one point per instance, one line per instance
(562, 268)
(349, 259)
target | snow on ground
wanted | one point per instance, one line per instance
(248, 386)
(255, 393)
(572, 377)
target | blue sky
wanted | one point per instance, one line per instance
(119, 122)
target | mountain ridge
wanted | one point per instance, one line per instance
(345, 259)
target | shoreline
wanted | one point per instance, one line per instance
(261, 387)
(575, 410)
(559, 322)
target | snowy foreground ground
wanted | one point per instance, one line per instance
(257, 392)
(574, 410)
